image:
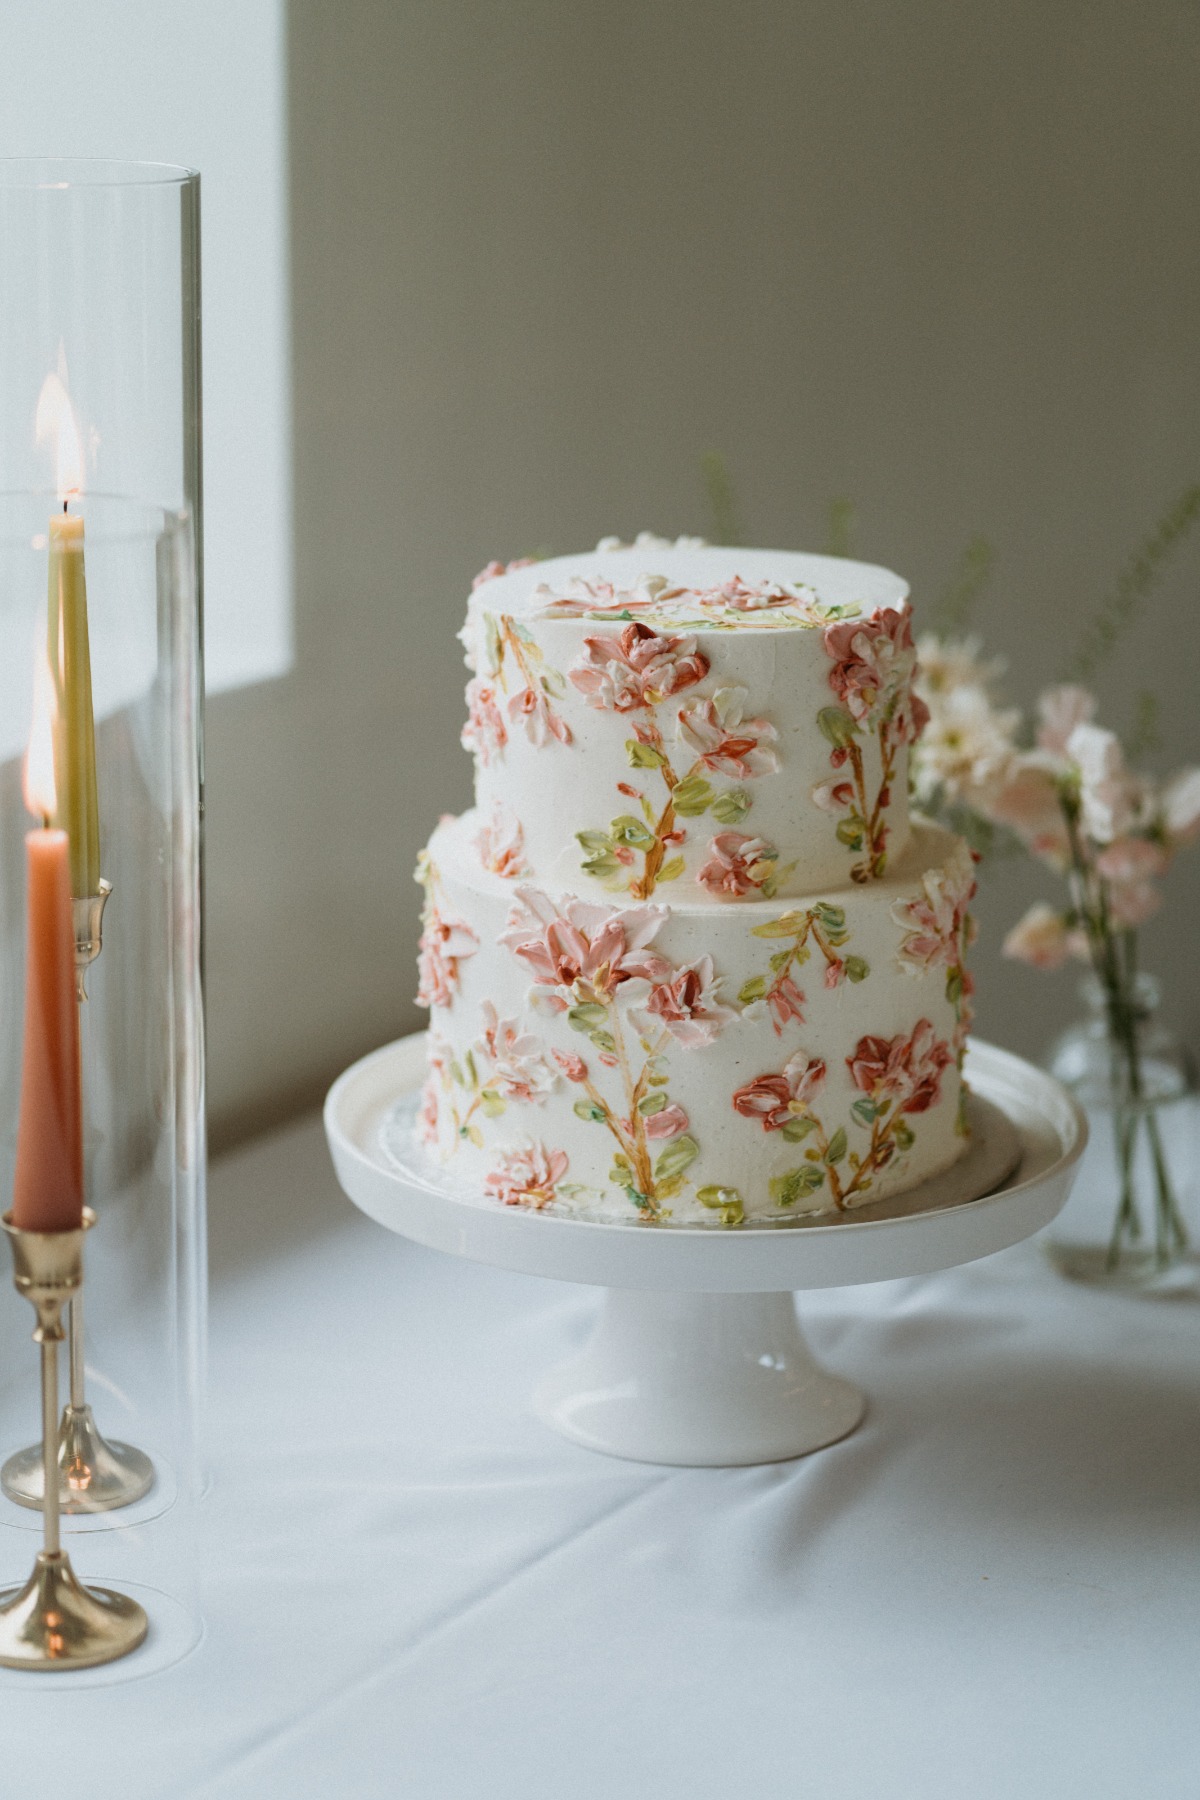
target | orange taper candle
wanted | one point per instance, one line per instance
(48, 1181)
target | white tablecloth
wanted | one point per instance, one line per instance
(412, 1588)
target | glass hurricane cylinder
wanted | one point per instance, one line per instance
(100, 425)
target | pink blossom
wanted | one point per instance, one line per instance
(445, 943)
(1131, 903)
(1132, 859)
(1181, 806)
(873, 660)
(835, 973)
(833, 796)
(745, 596)
(1060, 710)
(527, 1176)
(582, 952)
(637, 668)
(598, 596)
(737, 865)
(485, 731)
(1040, 938)
(935, 921)
(572, 1066)
(686, 1002)
(906, 1070)
(774, 1100)
(501, 844)
(427, 1116)
(666, 1124)
(490, 572)
(520, 1070)
(725, 741)
(1027, 802)
(531, 708)
(785, 1001)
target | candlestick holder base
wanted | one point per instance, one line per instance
(95, 1473)
(54, 1622)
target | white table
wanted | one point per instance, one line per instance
(990, 1592)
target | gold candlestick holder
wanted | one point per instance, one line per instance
(95, 1473)
(54, 1622)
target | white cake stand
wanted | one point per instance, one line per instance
(697, 1357)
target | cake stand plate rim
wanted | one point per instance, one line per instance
(1048, 1121)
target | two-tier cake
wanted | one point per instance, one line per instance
(689, 960)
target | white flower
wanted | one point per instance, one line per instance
(1110, 798)
(1181, 806)
(520, 1068)
(944, 664)
(966, 747)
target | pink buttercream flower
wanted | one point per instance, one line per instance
(774, 1100)
(581, 952)
(527, 1176)
(572, 1066)
(531, 708)
(833, 796)
(490, 572)
(445, 943)
(688, 1005)
(1041, 938)
(637, 668)
(485, 732)
(906, 1070)
(873, 660)
(501, 843)
(936, 921)
(520, 1070)
(724, 740)
(427, 1117)
(835, 973)
(737, 865)
(665, 1124)
(785, 1001)
(746, 596)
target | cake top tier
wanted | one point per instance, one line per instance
(735, 722)
(691, 586)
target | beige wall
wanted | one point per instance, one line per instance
(942, 258)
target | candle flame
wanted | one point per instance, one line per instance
(56, 424)
(41, 795)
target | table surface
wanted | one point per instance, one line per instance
(412, 1588)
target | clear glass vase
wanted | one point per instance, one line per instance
(1130, 1221)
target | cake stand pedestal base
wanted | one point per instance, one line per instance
(701, 1380)
(698, 1358)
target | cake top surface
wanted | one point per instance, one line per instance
(691, 585)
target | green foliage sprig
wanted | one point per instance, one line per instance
(1134, 583)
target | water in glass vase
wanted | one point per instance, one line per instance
(1127, 1222)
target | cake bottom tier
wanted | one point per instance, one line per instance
(695, 1064)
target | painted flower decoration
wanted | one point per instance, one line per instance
(736, 595)
(527, 1176)
(445, 943)
(935, 921)
(687, 1003)
(485, 733)
(581, 952)
(492, 569)
(520, 1069)
(637, 668)
(530, 706)
(774, 1100)
(501, 843)
(737, 865)
(725, 741)
(906, 1070)
(873, 659)
(427, 1114)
